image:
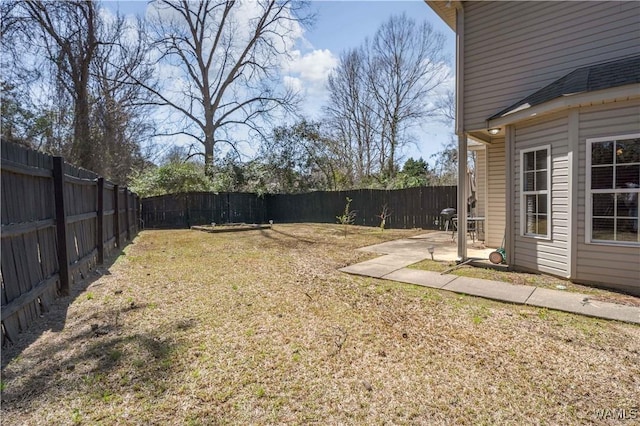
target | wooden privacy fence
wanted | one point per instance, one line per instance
(408, 208)
(201, 208)
(58, 223)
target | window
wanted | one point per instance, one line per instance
(613, 186)
(535, 181)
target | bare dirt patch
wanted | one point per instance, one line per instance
(259, 327)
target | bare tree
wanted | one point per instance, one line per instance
(68, 32)
(26, 119)
(446, 160)
(226, 56)
(352, 110)
(406, 65)
(381, 90)
(86, 106)
(446, 164)
(446, 106)
(120, 122)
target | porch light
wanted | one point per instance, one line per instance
(494, 131)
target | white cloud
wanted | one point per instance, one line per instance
(448, 76)
(308, 73)
(313, 67)
(293, 83)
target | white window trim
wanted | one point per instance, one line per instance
(523, 214)
(588, 223)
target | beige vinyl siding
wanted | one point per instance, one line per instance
(512, 49)
(545, 255)
(496, 184)
(481, 176)
(614, 266)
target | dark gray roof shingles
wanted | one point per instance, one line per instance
(586, 79)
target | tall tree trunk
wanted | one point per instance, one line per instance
(208, 155)
(82, 146)
(393, 143)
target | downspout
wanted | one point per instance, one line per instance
(462, 137)
(509, 152)
(574, 149)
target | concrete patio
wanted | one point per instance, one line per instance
(444, 243)
(398, 254)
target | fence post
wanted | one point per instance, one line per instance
(100, 222)
(126, 214)
(61, 224)
(138, 214)
(116, 222)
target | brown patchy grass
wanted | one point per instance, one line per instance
(258, 327)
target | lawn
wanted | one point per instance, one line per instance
(259, 327)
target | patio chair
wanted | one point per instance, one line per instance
(471, 229)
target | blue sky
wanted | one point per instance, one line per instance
(344, 24)
(341, 25)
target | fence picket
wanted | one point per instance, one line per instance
(410, 208)
(38, 258)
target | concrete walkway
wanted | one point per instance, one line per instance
(401, 253)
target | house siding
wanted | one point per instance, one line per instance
(481, 176)
(611, 265)
(545, 255)
(534, 44)
(496, 186)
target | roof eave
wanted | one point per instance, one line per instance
(616, 94)
(446, 10)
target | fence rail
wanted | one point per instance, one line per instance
(58, 222)
(408, 208)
